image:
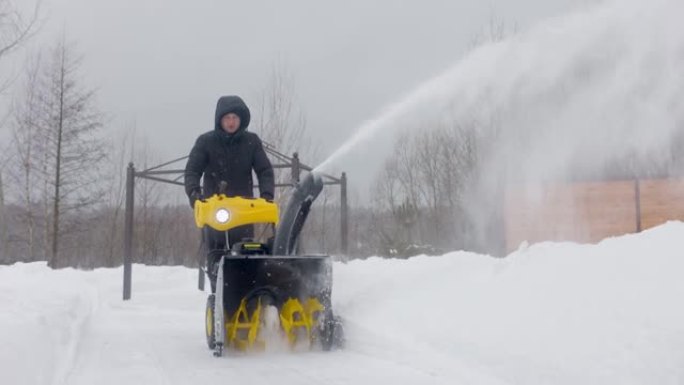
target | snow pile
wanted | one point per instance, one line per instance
(553, 313)
(550, 313)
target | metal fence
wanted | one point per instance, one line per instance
(162, 174)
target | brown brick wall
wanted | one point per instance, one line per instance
(661, 200)
(588, 211)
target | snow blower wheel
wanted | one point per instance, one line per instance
(209, 322)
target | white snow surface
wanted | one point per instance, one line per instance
(551, 313)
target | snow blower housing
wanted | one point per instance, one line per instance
(252, 277)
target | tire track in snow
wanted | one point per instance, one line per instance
(81, 309)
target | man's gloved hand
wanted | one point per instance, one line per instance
(194, 197)
(268, 197)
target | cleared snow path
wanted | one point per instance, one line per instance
(551, 313)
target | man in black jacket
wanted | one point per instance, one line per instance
(228, 154)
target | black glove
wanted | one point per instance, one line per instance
(194, 197)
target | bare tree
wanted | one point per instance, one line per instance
(281, 121)
(15, 29)
(424, 189)
(494, 31)
(429, 166)
(72, 146)
(114, 198)
(148, 209)
(26, 122)
(418, 194)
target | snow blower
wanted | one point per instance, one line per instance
(254, 278)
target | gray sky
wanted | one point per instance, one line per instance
(163, 63)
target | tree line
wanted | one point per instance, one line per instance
(62, 178)
(62, 175)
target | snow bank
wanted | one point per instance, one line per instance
(550, 313)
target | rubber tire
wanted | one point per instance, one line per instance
(209, 322)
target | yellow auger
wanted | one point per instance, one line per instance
(244, 330)
(295, 317)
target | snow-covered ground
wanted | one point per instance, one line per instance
(549, 314)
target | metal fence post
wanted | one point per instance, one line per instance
(200, 262)
(4, 231)
(200, 281)
(637, 199)
(128, 231)
(344, 216)
(296, 169)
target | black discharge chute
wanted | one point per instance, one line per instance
(295, 215)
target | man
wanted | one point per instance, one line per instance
(228, 154)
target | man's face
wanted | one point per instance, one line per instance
(230, 123)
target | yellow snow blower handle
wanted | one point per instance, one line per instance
(223, 213)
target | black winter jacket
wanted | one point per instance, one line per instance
(219, 156)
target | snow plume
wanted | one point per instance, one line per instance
(602, 83)
(593, 93)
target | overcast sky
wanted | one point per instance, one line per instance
(163, 63)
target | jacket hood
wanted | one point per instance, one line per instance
(234, 104)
